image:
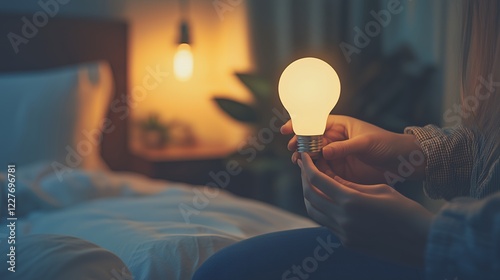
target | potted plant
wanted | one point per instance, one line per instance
(277, 180)
(154, 134)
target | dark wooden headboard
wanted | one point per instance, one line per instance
(64, 41)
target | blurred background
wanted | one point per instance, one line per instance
(213, 102)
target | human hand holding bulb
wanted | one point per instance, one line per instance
(355, 150)
(365, 217)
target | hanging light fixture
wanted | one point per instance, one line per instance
(183, 58)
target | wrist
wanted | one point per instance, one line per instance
(415, 156)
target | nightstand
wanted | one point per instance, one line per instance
(192, 165)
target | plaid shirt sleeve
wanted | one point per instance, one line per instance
(449, 158)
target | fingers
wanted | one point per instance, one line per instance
(335, 127)
(312, 193)
(352, 185)
(367, 189)
(342, 149)
(322, 219)
(319, 207)
(287, 128)
(320, 180)
(292, 144)
(336, 139)
(321, 163)
(325, 167)
(317, 198)
(335, 131)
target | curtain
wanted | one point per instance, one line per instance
(284, 30)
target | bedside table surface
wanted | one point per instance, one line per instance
(179, 153)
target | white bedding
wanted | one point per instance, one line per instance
(141, 220)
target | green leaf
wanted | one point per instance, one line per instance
(238, 111)
(258, 86)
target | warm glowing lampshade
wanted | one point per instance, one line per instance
(309, 88)
(183, 62)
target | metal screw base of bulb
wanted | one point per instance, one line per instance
(310, 144)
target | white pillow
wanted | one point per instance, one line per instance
(54, 115)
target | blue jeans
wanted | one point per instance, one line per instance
(309, 253)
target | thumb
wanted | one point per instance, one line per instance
(342, 149)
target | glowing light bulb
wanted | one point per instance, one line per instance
(309, 88)
(183, 62)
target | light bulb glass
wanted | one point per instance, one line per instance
(183, 62)
(309, 88)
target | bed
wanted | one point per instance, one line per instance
(79, 213)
